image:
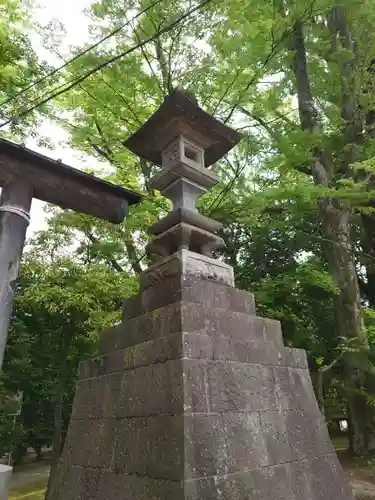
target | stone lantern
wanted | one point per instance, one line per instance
(194, 396)
(186, 142)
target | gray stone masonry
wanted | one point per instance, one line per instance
(194, 397)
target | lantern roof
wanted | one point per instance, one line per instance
(180, 114)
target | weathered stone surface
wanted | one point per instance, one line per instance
(326, 471)
(193, 318)
(294, 390)
(90, 443)
(102, 365)
(196, 346)
(224, 417)
(295, 358)
(118, 486)
(150, 326)
(178, 288)
(188, 264)
(184, 214)
(97, 397)
(157, 351)
(274, 431)
(66, 483)
(222, 323)
(240, 387)
(84, 483)
(265, 483)
(293, 435)
(223, 443)
(319, 478)
(308, 436)
(152, 390)
(164, 435)
(195, 245)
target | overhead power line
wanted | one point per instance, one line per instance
(56, 70)
(100, 67)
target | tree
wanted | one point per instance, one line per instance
(59, 309)
(19, 69)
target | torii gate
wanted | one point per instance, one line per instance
(24, 175)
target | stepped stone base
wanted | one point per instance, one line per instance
(194, 397)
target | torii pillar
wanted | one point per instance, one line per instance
(194, 397)
(24, 175)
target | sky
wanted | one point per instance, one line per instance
(70, 13)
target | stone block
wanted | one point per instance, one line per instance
(204, 445)
(292, 435)
(87, 400)
(187, 264)
(295, 358)
(196, 395)
(308, 436)
(265, 483)
(67, 482)
(77, 482)
(170, 347)
(102, 365)
(273, 331)
(275, 434)
(90, 443)
(186, 215)
(294, 390)
(116, 486)
(200, 489)
(319, 478)
(150, 326)
(195, 346)
(152, 447)
(255, 352)
(151, 390)
(88, 484)
(240, 387)
(97, 397)
(215, 323)
(160, 350)
(190, 317)
(219, 444)
(327, 478)
(180, 289)
(108, 338)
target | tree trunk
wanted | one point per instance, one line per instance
(317, 378)
(368, 220)
(337, 245)
(368, 244)
(133, 257)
